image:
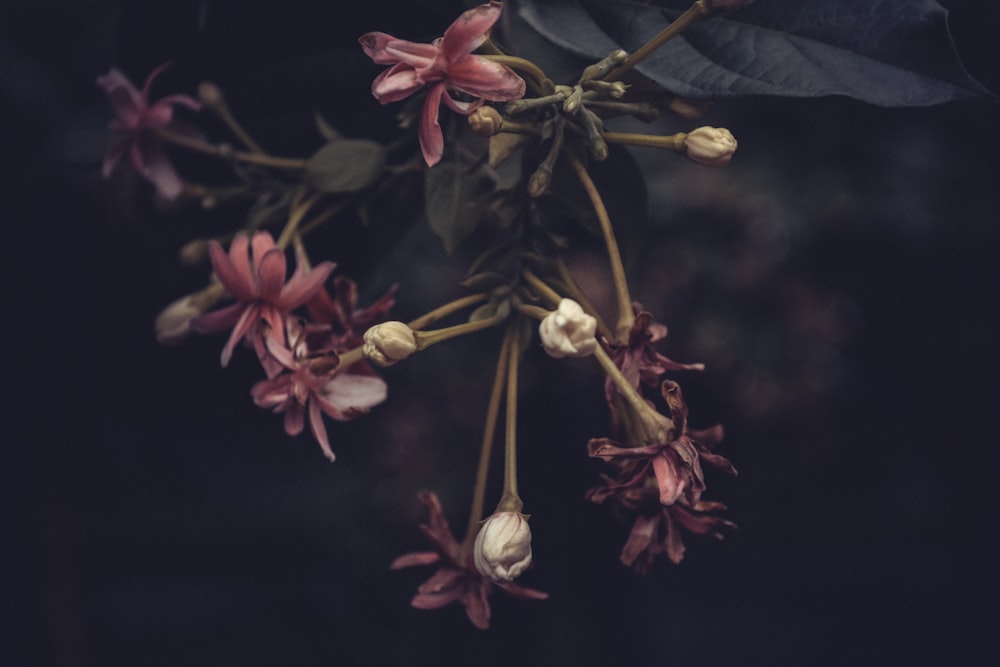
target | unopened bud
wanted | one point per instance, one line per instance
(568, 331)
(209, 94)
(173, 324)
(711, 146)
(194, 253)
(485, 121)
(389, 342)
(503, 546)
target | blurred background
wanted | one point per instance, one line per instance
(839, 280)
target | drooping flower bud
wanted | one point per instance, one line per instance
(485, 121)
(173, 324)
(711, 146)
(568, 331)
(503, 546)
(389, 342)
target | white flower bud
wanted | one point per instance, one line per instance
(503, 546)
(711, 146)
(389, 342)
(568, 331)
(173, 324)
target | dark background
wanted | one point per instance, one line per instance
(839, 280)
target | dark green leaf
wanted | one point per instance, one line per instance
(454, 198)
(345, 165)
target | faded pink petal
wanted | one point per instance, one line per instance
(668, 479)
(157, 169)
(349, 392)
(485, 78)
(319, 430)
(435, 600)
(271, 271)
(470, 30)
(415, 558)
(429, 131)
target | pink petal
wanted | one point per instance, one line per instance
(152, 77)
(668, 479)
(396, 83)
(218, 320)
(429, 132)
(484, 78)
(416, 558)
(303, 285)
(182, 100)
(243, 326)
(239, 258)
(434, 600)
(233, 270)
(271, 271)
(470, 30)
(387, 50)
(441, 580)
(319, 430)
(348, 392)
(125, 99)
(476, 606)
(260, 243)
(639, 538)
(464, 108)
(522, 592)
(159, 172)
(294, 419)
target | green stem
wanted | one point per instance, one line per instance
(692, 15)
(625, 315)
(226, 152)
(445, 310)
(674, 142)
(542, 288)
(300, 206)
(577, 295)
(542, 82)
(625, 388)
(510, 501)
(212, 97)
(486, 449)
(427, 338)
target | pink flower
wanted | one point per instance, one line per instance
(340, 312)
(312, 385)
(445, 66)
(457, 579)
(258, 285)
(136, 124)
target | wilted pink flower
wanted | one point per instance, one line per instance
(136, 124)
(445, 66)
(675, 464)
(339, 310)
(457, 579)
(314, 384)
(258, 285)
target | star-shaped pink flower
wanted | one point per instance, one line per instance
(444, 66)
(457, 579)
(136, 124)
(314, 385)
(254, 273)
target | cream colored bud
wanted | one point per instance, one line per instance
(389, 342)
(503, 546)
(485, 121)
(711, 146)
(568, 331)
(686, 108)
(173, 324)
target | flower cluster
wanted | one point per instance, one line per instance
(318, 349)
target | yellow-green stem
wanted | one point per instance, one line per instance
(446, 310)
(541, 81)
(300, 206)
(510, 501)
(674, 142)
(427, 338)
(541, 287)
(625, 388)
(226, 152)
(625, 315)
(486, 449)
(577, 295)
(692, 15)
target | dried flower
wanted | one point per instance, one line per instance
(313, 383)
(710, 146)
(568, 331)
(258, 285)
(136, 124)
(457, 580)
(444, 66)
(389, 342)
(503, 546)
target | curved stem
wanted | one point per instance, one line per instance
(538, 77)
(577, 294)
(486, 449)
(427, 338)
(445, 310)
(625, 388)
(625, 315)
(227, 153)
(541, 287)
(299, 208)
(691, 15)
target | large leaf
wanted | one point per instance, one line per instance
(455, 199)
(345, 165)
(886, 52)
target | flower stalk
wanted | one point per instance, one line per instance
(510, 501)
(691, 15)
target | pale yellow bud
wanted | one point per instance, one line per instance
(485, 121)
(711, 146)
(503, 546)
(389, 342)
(568, 331)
